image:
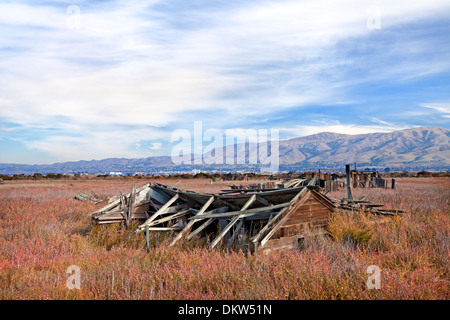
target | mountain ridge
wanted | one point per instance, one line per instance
(420, 146)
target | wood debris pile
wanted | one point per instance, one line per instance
(88, 196)
(261, 220)
(362, 205)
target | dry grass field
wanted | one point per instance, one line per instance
(44, 230)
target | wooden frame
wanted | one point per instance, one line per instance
(287, 213)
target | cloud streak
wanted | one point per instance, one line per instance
(156, 66)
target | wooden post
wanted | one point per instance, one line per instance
(393, 183)
(349, 191)
(147, 242)
(131, 205)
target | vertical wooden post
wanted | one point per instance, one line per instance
(349, 191)
(147, 242)
(393, 183)
(131, 206)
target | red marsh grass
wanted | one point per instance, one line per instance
(43, 231)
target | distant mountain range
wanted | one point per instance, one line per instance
(416, 149)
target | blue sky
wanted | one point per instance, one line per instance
(83, 80)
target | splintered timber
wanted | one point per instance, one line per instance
(261, 220)
(233, 309)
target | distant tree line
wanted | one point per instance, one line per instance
(201, 175)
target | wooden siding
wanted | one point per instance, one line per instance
(310, 217)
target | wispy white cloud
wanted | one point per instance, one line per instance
(306, 130)
(97, 144)
(155, 146)
(442, 108)
(129, 63)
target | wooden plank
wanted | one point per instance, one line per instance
(131, 203)
(159, 194)
(110, 213)
(282, 220)
(200, 228)
(262, 200)
(168, 218)
(300, 219)
(116, 216)
(156, 214)
(117, 201)
(108, 221)
(206, 223)
(164, 228)
(191, 223)
(232, 222)
(284, 243)
(245, 213)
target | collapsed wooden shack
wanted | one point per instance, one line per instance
(261, 220)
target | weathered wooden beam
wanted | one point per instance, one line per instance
(102, 218)
(191, 223)
(246, 190)
(131, 203)
(262, 200)
(156, 214)
(168, 218)
(245, 213)
(232, 222)
(200, 228)
(106, 222)
(164, 228)
(109, 213)
(207, 222)
(349, 191)
(226, 203)
(279, 223)
(117, 201)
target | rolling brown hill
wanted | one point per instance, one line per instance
(426, 147)
(421, 145)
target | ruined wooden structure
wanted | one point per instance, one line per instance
(369, 179)
(259, 220)
(327, 185)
